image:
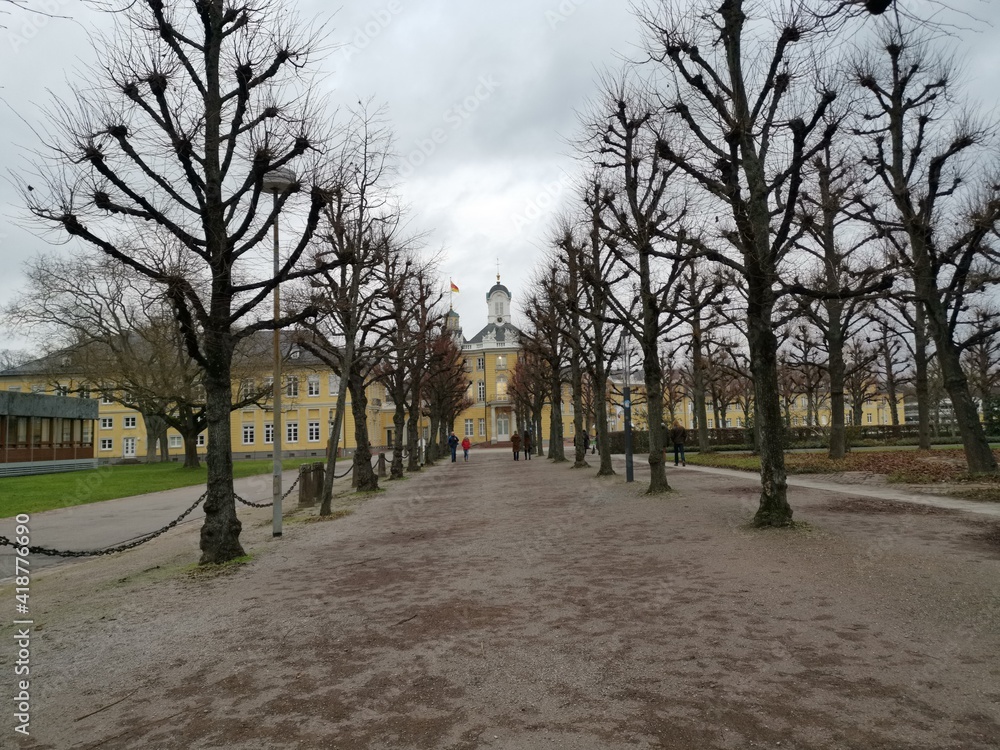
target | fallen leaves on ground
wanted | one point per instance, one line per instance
(911, 467)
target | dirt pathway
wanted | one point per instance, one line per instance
(528, 605)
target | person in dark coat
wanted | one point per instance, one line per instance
(515, 442)
(526, 444)
(678, 436)
(453, 444)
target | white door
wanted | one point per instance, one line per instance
(128, 447)
(503, 427)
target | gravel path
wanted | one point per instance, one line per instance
(494, 604)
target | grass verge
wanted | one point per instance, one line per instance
(41, 492)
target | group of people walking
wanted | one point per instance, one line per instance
(519, 442)
(678, 436)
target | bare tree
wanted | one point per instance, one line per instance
(624, 136)
(361, 226)
(744, 124)
(194, 103)
(948, 212)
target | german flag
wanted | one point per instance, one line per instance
(454, 287)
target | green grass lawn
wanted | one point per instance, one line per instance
(34, 494)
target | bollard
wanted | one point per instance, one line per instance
(381, 466)
(354, 473)
(310, 484)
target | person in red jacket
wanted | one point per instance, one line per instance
(466, 444)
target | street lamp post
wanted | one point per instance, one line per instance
(276, 182)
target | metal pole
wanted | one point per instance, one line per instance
(276, 387)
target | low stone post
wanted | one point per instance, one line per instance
(381, 466)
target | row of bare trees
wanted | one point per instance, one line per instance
(800, 224)
(161, 163)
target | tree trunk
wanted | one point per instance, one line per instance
(332, 449)
(220, 533)
(367, 478)
(838, 430)
(413, 438)
(978, 454)
(399, 424)
(698, 385)
(557, 451)
(774, 509)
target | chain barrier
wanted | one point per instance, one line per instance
(267, 505)
(131, 544)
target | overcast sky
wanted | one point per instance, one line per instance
(482, 97)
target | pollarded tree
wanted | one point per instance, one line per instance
(193, 104)
(624, 135)
(940, 198)
(745, 119)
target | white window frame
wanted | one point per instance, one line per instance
(470, 428)
(106, 397)
(107, 444)
(480, 364)
(482, 427)
(312, 385)
(249, 433)
(129, 423)
(107, 423)
(333, 384)
(291, 432)
(175, 441)
(292, 386)
(200, 440)
(313, 434)
(268, 433)
(482, 390)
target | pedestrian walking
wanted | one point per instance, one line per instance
(526, 444)
(466, 444)
(453, 444)
(678, 436)
(586, 442)
(515, 442)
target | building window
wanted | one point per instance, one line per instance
(200, 442)
(175, 441)
(269, 433)
(83, 392)
(729, 423)
(127, 397)
(61, 390)
(38, 389)
(106, 398)
(312, 385)
(128, 423)
(247, 388)
(795, 421)
(107, 444)
(869, 418)
(710, 422)
(470, 428)
(501, 387)
(480, 363)
(501, 363)
(248, 434)
(292, 386)
(292, 432)
(107, 423)
(269, 384)
(14, 388)
(482, 427)
(482, 390)
(333, 384)
(739, 421)
(313, 433)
